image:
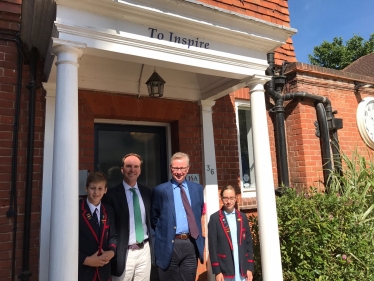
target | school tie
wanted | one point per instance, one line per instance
(139, 231)
(96, 222)
(194, 232)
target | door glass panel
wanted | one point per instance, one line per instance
(112, 142)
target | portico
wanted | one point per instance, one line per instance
(113, 47)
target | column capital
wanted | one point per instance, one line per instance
(50, 88)
(206, 105)
(254, 80)
(60, 46)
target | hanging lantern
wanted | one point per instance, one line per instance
(155, 85)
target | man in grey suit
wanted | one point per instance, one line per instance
(131, 203)
(177, 207)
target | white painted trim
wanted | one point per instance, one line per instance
(223, 26)
(130, 44)
(45, 220)
(50, 88)
(74, 46)
(251, 192)
(144, 123)
(209, 164)
(266, 206)
(64, 230)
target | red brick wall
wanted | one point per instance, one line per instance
(7, 116)
(304, 152)
(274, 11)
(183, 116)
(10, 14)
(304, 148)
(243, 94)
(226, 142)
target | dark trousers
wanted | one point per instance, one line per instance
(183, 263)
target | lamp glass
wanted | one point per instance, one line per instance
(155, 85)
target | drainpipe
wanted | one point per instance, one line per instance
(25, 274)
(324, 143)
(327, 122)
(274, 89)
(13, 206)
(334, 125)
(323, 115)
(335, 147)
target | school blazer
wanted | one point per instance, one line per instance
(89, 242)
(220, 244)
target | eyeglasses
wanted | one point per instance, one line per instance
(182, 169)
(226, 199)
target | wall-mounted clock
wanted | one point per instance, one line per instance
(365, 120)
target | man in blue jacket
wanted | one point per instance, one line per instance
(176, 211)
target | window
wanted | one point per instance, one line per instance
(247, 162)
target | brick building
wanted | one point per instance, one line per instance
(58, 121)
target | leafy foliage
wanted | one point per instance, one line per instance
(327, 237)
(336, 55)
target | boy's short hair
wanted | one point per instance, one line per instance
(96, 177)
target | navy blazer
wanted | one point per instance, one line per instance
(163, 220)
(220, 244)
(89, 242)
(117, 199)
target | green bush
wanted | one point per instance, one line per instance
(327, 236)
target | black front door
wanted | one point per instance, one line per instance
(112, 142)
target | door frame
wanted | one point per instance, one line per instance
(144, 123)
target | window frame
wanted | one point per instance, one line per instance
(251, 191)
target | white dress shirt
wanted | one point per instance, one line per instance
(132, 236)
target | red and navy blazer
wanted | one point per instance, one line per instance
(90, 242)
(221, 248)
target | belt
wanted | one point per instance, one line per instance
(183, 236)
(137, 246)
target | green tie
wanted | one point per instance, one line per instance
(137, 216)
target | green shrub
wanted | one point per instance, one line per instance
(327, 236)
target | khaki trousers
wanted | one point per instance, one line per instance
(138, 265)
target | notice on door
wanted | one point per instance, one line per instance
(193, 177)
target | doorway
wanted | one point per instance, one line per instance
(113, 141)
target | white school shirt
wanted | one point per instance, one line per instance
(92, 209)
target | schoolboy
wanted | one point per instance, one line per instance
(97, 235)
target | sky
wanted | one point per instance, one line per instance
(322, 20)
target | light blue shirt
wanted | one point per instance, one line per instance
(180, 212)
(231, 220)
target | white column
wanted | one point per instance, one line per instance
(209, 167)
(63, 263)
(266, 206)
(45, 225)
(209, 159)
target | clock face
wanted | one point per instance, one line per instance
(365, 120)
